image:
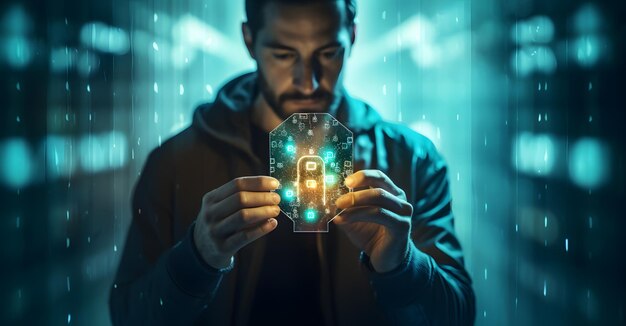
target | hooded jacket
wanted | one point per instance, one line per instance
(162, 279)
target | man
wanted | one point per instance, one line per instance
(208, 245)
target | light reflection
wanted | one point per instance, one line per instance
(58, 153)
(539, 225)
(62, 59)
(429, 131)
(534, 154)
(530, 59)
(88, 63)
(589, 45)
(58, 158)
(588, 50)
(105, 38)
(538, 29)
(192, 33)
(587, 19)
(589, 163)
(16, 47)
(103, 152)
(17, 51)
(17, 163)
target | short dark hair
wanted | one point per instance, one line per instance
(254, 11)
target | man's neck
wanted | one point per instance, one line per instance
(263, 116)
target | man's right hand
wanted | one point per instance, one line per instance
(233, 216)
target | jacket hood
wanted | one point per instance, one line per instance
(228, 118)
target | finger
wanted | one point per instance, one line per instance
(375, 197)
(240, 200)
(244, 237)
(374, 179)
(244, 218)
(255, 183)
(376, 215)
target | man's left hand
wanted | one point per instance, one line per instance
(377, 219)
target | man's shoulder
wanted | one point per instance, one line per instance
(365, 118)
(408, 139)
(178, 148)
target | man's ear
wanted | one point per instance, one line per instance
(247, 38)
(352, 38)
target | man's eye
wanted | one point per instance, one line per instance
(331, 54)
(282, 56)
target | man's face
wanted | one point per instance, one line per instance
(300, 53)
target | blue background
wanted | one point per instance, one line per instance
(523, 98)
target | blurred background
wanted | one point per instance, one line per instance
(523, 98)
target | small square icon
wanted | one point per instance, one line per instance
(311, 184)
(311, 166)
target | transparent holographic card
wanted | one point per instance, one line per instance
(311, 154)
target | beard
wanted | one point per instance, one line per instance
(277, 103)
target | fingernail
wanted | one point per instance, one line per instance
(274, 183)
(276, 198)
(273, 222)
(348, 182)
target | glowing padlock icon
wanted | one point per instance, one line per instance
(311, 180)
(310, 155)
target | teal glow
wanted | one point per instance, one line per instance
(538, 29)
(310, 216)
(16, 45)
(533, 58)
(18, 51)
(103, 152)
(17, 163)
(291, 148)
(587, 19)
(534, 154)
(58, 155)
(588, 49)
(588, 164)
(329, 156)
(330, 179)
(289, 194)
(105, 38)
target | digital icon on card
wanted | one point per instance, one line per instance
(311, 154)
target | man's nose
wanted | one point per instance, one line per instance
(306, 77)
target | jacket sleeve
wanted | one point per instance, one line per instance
(159, 282)
(431, 285)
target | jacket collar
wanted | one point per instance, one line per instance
(228, 118)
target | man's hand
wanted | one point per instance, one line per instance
(233, 216)
(378, 219)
